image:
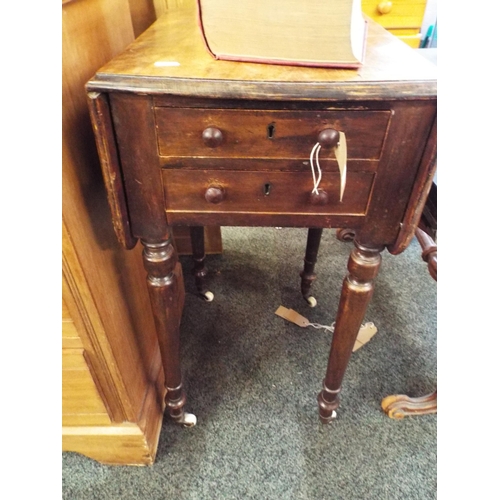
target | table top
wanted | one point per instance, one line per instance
(171, 58)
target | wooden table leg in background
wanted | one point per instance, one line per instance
(160, 259)
(357, 290)
(199, 269)
(308, 275)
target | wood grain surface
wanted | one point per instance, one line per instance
(172, 56)
(289, 193)
(246, 133)
(111, 359)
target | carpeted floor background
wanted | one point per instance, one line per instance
(252, 380)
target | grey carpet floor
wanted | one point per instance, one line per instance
(252, 380)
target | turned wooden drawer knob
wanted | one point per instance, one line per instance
(212, 137)
(319, 199)
(328, 138)
(384, 7)
(214, 194)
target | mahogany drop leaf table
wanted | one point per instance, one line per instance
(186, 140)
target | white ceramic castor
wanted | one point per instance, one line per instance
(187, 420)
(312, 301)
(208, 296)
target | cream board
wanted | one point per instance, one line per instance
(298, 32)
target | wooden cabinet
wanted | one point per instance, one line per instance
(402, 18)
(112, 376)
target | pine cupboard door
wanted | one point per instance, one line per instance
(112, 383)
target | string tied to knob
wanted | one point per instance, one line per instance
(314, 161)
(340, 151)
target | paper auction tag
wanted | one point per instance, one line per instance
(366, 332)
(292, 316)
(341, 155)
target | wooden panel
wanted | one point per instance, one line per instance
(70, 337)
(139, 161)
(419, 195)
(84, 419)
(83, 310)
(65, 311)
(213, 240)
(398, 167)
(80, 394)
(121, 444)
(247, 134)
(161, 6)
(69, 329)
(142, 13)
(110, 164)
(118, 325)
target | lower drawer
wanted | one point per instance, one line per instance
(263, 193)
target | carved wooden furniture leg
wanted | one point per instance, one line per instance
(199, 269)
(308, 275)
(160, 259)
(429, 251)
(345, 234)
(399, 406)
(357, 290)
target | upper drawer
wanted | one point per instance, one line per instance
(266, 134)
(396, 13)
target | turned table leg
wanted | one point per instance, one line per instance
(357, 290)
(199, 269)
(160, 259)
(308, 275)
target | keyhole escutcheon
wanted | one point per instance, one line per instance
(267, 189)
